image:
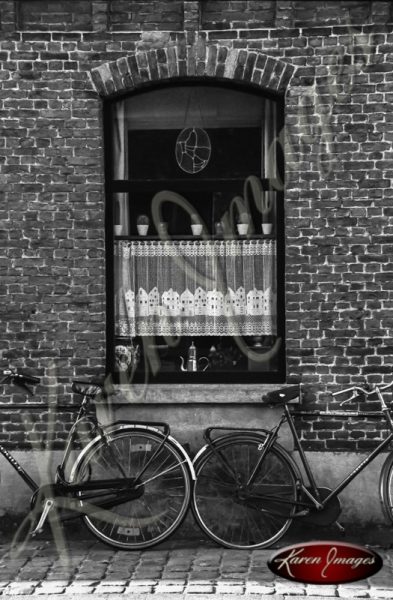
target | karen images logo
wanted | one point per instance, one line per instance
(325, 562)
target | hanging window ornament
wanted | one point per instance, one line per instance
(193, 149)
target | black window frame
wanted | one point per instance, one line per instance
(219, 377)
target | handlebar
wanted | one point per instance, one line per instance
(20, 379)
(87, 389)
(355, 390)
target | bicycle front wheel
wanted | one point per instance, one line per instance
(162, 482)
(237, 515)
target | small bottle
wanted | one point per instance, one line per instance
(192, 358)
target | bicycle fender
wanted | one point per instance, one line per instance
(125, 425)
(382, 488)
(216, 440)
(278, 447)
(186, 457)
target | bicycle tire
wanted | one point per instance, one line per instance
(217, 504)
(386, 487)
(150, 519)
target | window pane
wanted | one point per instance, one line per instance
(195, 232)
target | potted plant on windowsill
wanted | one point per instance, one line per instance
(196, 225)
(162, 229)
(267, 203)
(142, 224)
(243, 223)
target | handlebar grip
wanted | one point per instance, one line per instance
(31, 379)
(18, 377)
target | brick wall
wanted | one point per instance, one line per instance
(339, 129)
(48, 15)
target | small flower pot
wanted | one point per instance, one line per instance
(196, 228)
(219, 228)
(142, 229)
(242, 228)
(118, 229)
(267, 228)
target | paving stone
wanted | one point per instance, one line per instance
(114, 580)
(78, 586)
(45, 589)
(109, 589)
(140, 589)
(169, 588)
(178, 576)
(321, 590)
(57, 577)
(259, 588)
(83, 581)
(19, 588)
(353, 592)
(201, 588)
(229, 589)
(310, 597)
(141, 582)
(381, 593)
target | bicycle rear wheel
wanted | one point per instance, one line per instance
(236, 515)
(386, 487)
(164, 488)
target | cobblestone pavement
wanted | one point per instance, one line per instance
(182, 568)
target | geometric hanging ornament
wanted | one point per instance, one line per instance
(193, 149)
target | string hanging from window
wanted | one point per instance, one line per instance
(193, 146)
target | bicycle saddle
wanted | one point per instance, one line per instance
(282, 396)
(87, 388)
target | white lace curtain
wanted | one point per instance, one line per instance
(195, 288)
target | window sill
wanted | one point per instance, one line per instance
(220, 393)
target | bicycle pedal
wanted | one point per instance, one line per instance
(36, 531)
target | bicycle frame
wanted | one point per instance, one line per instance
(312, 491)
(355, 471)
(33, 485)
(124, 486)
(311, 498)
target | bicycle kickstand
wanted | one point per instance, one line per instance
(38, 528)
(340, 527)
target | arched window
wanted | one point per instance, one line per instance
(195, 230)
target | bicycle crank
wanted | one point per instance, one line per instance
(326, 515)
(44, 515)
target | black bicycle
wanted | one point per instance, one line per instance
(131, 482)
(249, 489)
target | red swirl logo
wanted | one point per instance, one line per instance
(325, 562)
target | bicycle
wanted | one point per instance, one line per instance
(131, 482)
(249, 489)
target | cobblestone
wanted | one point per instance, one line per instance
(177, 569)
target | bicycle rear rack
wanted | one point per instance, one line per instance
(208, 431)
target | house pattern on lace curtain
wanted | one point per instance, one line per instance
(195, 287)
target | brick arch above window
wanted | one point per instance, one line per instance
(156, 65)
